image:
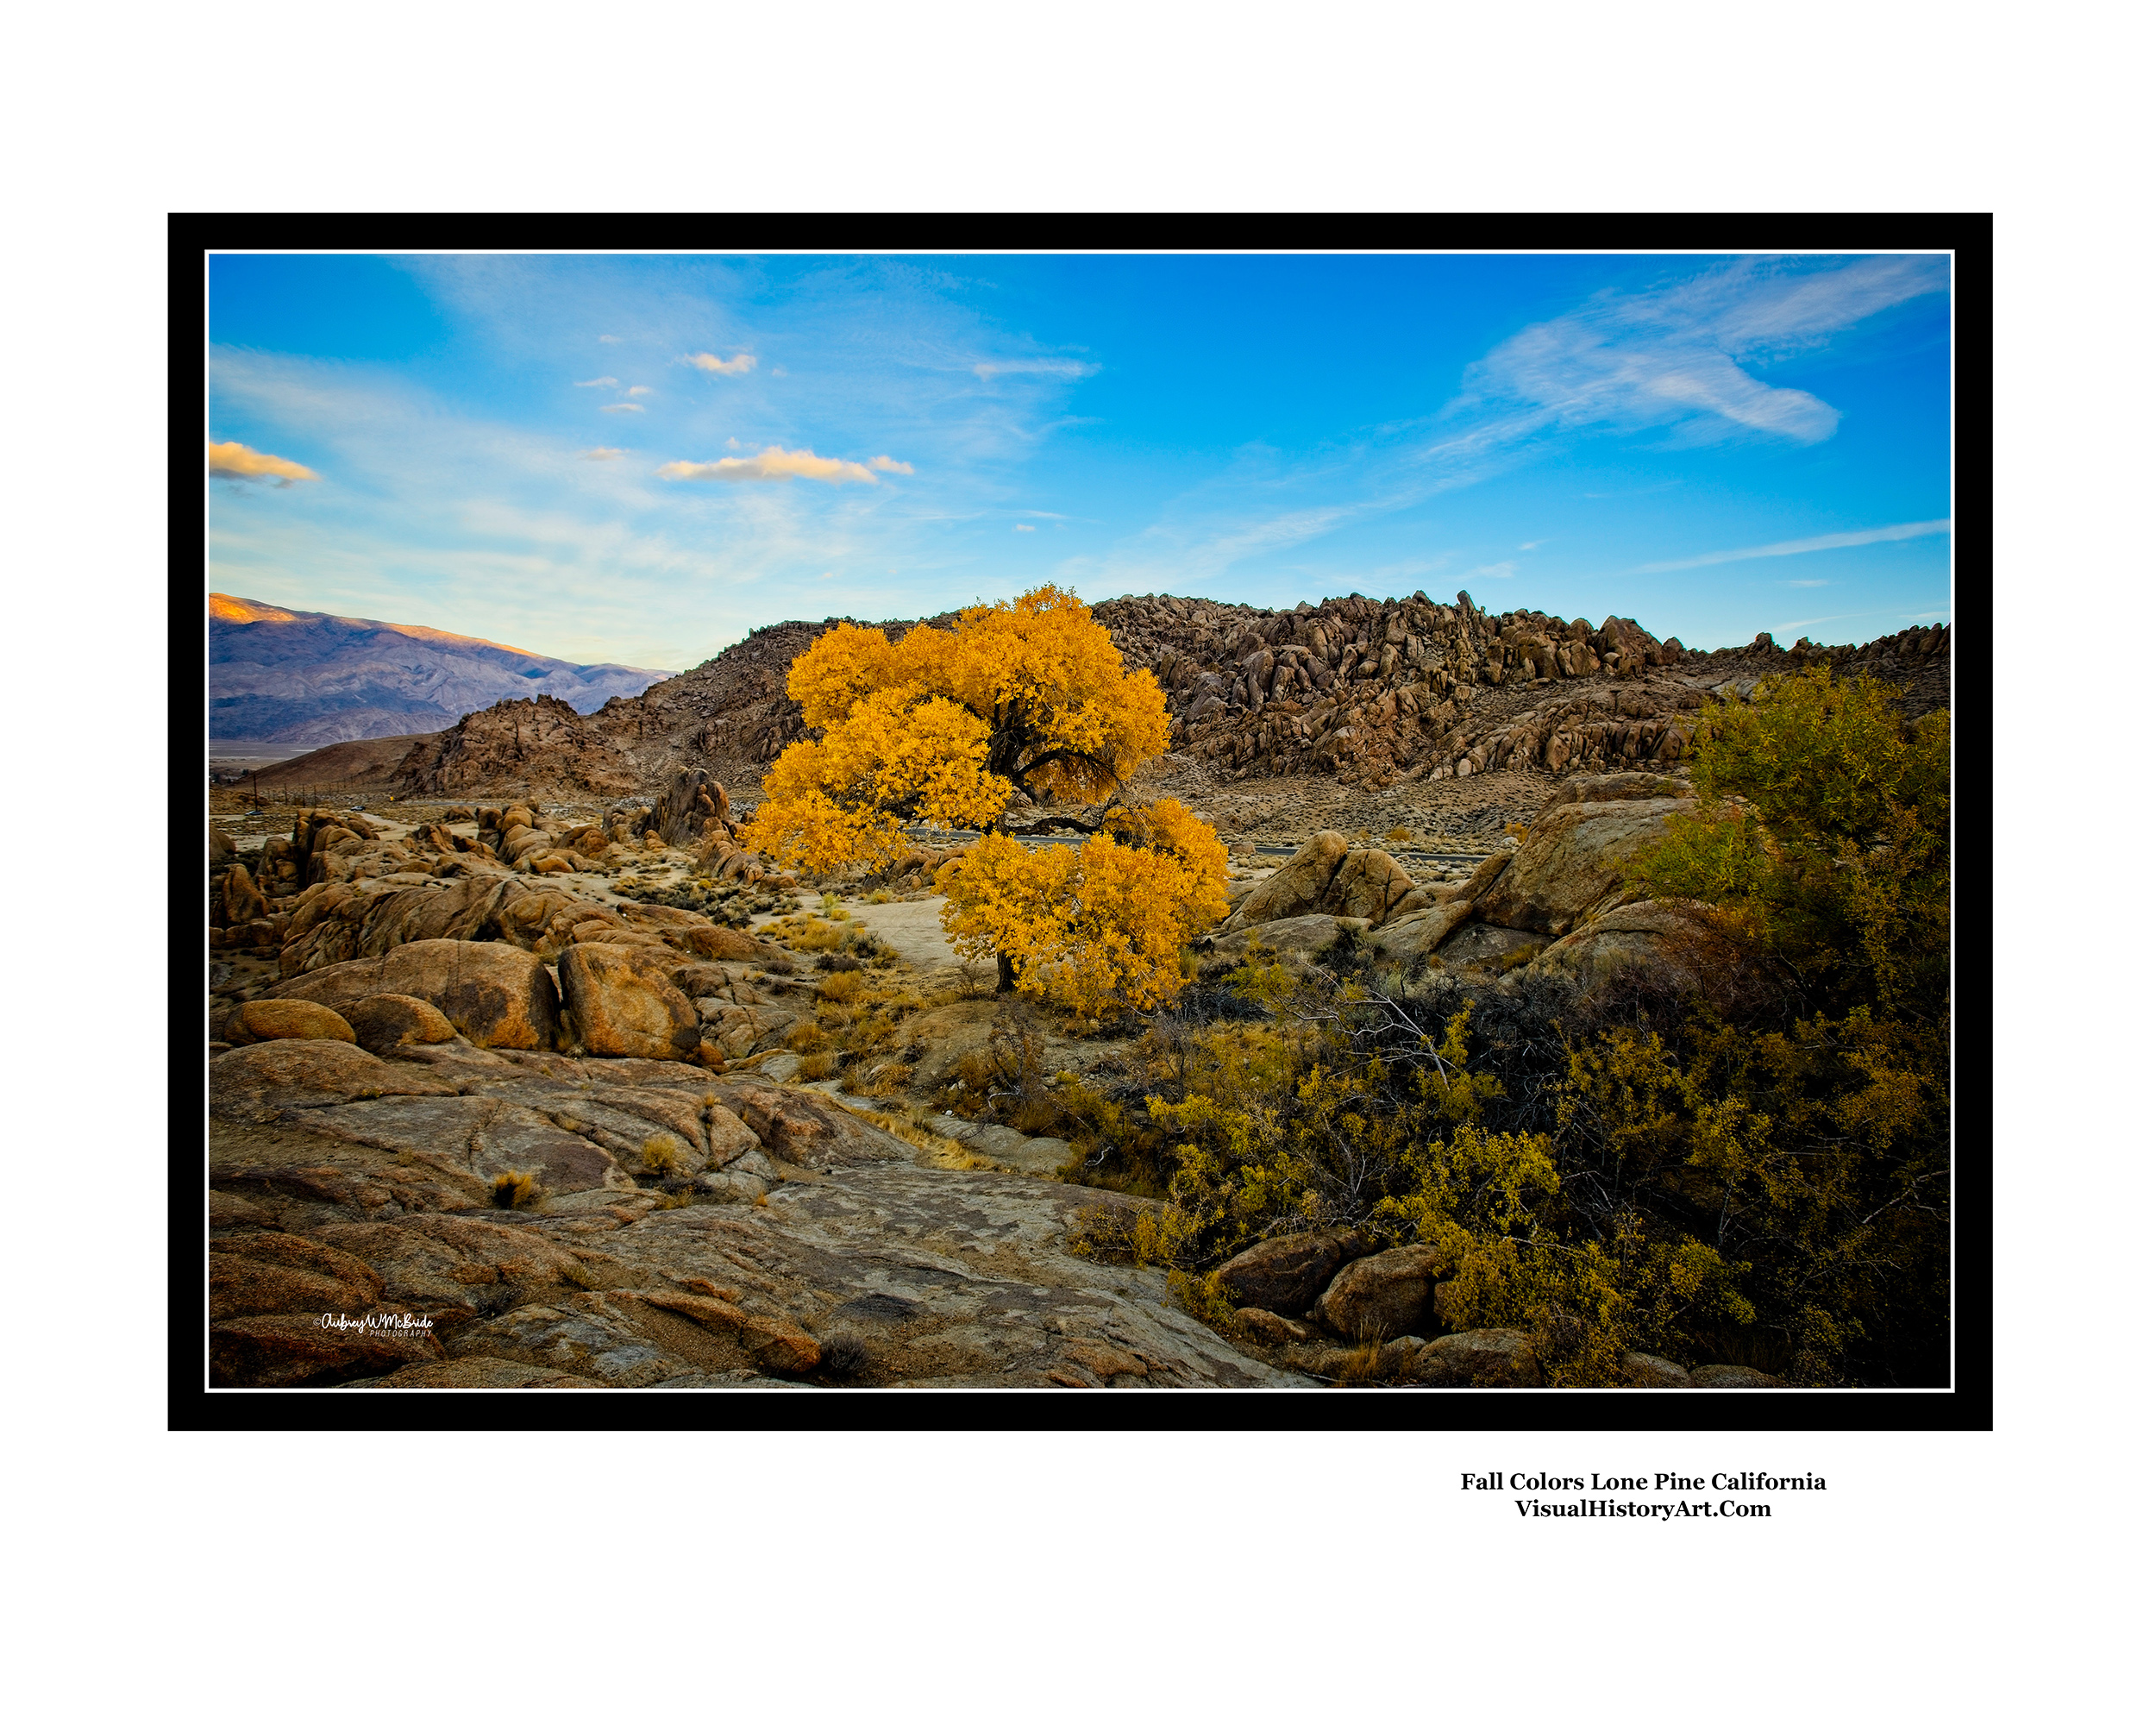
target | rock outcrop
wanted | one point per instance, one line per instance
(543, 745)
(1287, 1273)
(1383, 1296)
(1571, 864)
(1327, 877)
(383, 1022)
(496, 994)
(283, 1020)
(616, 1000)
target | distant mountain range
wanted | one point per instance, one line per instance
(311, 678)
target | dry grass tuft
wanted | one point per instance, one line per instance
(518, 1189)
(842, 987)
(664, 1156)
(1363, 1365)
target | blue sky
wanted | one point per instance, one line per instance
(640, 459)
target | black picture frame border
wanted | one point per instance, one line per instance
(1967, 1406)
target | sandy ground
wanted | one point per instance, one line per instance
(911, 927)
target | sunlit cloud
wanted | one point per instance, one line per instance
(597, 383)
(602, 454)
(1023, 527)
(237, 461)
(884, 464)
(622, 407)
(637, 389)
(710, 362)
(774, 463)
(1792, 548)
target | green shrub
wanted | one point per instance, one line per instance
(1822, 834)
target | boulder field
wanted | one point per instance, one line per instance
(1364, 693)
(1292, 1289)
(825, 1252)
(1556, 903)
(500, 1135)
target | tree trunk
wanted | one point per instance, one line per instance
(1006, 973)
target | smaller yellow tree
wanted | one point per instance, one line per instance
(1096, 928)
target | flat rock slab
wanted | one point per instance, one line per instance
(1004, 1145)
(1288, 934)
(948, 1279)
(866, 1267)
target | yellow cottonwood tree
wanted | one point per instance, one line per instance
(945, 724)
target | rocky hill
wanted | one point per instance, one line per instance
(730, 715)
(1361, 692)
(542, 746)
(1350, 698)
(308, 677)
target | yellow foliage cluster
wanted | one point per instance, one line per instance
(942, 724)
(1096, 928)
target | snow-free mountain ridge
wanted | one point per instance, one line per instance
(312, 678)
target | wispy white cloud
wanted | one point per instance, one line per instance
(1806, 584)
(597, 383)
(610, 339)
(1534, 544)
(1409, 567)
(1496, 572)
(603, 453)
(1168, 558)
(1874, 617)
(622, 407)
(237, 461)
(884, 464)
(774, 463)
(637, 389)
(710, 362)
(1024, 527)
(989, 370)
(1670, 358)
(1675, 355)
(1792, 548)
